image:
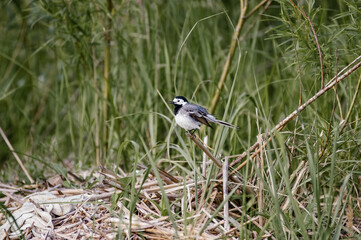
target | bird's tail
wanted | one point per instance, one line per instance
(226, 124)
(213, 119)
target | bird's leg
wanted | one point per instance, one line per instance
(192, 131)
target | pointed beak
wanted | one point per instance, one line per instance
(171, 102)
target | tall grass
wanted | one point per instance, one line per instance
(52, 100)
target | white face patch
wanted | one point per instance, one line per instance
(179, 101)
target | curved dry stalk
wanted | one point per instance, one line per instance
(230, 54)
(329, 85)
(242, 18)
(353, 66)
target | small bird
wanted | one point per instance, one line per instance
(191, 116)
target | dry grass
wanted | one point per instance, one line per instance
(93, 213)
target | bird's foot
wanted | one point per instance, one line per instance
(191, 132)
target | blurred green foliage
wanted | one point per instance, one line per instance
(52, 64)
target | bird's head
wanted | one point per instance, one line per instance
(179, 101)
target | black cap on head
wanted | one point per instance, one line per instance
(183, 98)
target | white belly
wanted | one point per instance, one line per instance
(187, 122)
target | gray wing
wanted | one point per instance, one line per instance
(199, 113)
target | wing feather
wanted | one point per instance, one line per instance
(200, 118)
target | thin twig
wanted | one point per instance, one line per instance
(257, 7)
(225, 194)
(16, 155)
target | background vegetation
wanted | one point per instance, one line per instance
(85, 83)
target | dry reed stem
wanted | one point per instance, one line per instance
(204, 149)
(260, 183)
(209, 154)
(353, 66)
(16, 155)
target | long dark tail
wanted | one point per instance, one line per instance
(226, 124)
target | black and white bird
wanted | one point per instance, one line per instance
(191, 116)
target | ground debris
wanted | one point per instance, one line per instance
(52, 211)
